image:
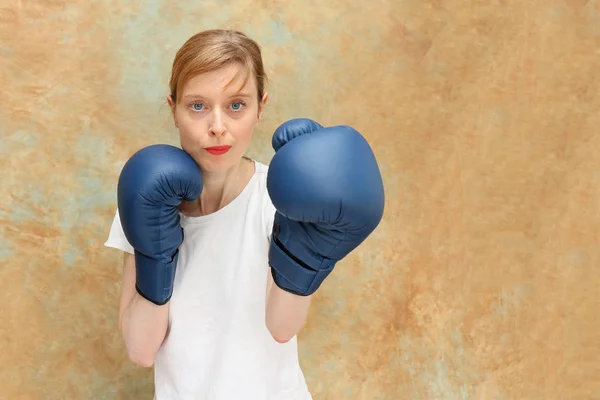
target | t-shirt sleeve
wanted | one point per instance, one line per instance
(116, 237)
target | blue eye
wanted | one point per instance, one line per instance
(197, 107)
(237, 106)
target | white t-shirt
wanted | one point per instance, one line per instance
(218, 346)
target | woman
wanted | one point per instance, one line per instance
(199, 301)
(210, 340)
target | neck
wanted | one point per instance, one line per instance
(219, 189)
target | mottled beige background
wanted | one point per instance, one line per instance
(484, 115)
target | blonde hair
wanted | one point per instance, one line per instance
(212, 49)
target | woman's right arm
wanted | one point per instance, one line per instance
(143, 324)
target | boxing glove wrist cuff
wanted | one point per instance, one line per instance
(154, 278)
(292, 275)
(151, 300)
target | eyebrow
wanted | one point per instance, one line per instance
(239, 94)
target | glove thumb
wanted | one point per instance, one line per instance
(292, 129)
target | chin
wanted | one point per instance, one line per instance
(217, 164)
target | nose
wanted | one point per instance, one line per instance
(217, 126)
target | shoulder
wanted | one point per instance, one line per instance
(261, 171)
(267, 208)
(260, 176)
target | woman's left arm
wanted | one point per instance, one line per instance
(285, 312)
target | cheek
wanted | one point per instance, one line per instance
(243, 128)
(188, 125)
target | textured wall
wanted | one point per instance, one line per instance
(484, 114)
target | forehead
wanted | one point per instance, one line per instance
(232, 78)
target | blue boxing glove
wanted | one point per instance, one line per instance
(328, 192)
(152, 185)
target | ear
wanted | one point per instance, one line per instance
(171, 103)
(172, 107)
(261, 105)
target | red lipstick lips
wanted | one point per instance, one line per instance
(218, 150)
